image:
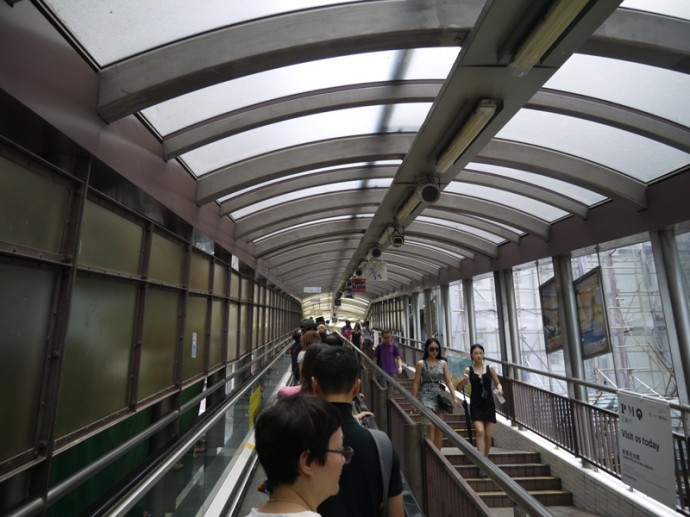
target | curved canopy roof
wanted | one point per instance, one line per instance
(540, 126)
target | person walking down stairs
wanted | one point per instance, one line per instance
(482, 406)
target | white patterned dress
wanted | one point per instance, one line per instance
(432, 374)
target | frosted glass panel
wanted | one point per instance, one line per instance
(151, 23)
(194, 340)
(199, 272)
(25, 312)
(235, 285)
(220, 279)
(159, 340)
(109, 241)
(244, 324)
(298, 131)
(167, 259)
(33, 208)
(95, 369)
(233, 322)
(215, 356)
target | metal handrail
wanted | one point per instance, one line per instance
(518, 494)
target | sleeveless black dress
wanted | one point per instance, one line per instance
(482, 407)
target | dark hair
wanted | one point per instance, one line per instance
(334, 339)
(336, 369)
(476, 345)
(297, 335)
(428, 343)
(289, 427)
(308, 365)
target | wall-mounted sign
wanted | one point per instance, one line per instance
(359, 285)
(645, 446)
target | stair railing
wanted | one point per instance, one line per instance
(407, 436)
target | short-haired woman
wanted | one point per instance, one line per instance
(300, 446)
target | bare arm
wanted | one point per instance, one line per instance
(449, 382)
(417, 378)
(396, 507)
(495, 379)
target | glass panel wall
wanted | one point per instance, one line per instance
(460, 339)
(639, 357)
(486, 315)
(526, 279)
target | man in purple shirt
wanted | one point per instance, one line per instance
(387, 356)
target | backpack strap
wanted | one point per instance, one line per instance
(385, 450)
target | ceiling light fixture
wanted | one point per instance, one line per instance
(480, 117)
(558, 18)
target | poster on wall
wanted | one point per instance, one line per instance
(645, 446)
(549, 311)
(591, 314)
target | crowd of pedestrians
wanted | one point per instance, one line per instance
(329, 464)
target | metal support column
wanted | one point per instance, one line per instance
(675, 305)
(468, 299)
(446, 336)
(570, 329)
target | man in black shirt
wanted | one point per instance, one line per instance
(336, 379)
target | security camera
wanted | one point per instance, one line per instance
(428, 191)
(376, 252)
(397, 239)
(358, 272)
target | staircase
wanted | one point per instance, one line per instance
(525, 467)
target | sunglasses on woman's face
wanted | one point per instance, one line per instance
(433, 349)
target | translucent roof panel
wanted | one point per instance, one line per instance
(634, 155)
(317, 221)
(516, 201)
(312, 128)
(580, 194)
(674, 8)
(462, 228)
(411, 241)
(314, 191)
(627, 83)
(364, 182)
(99, 26)
(183, 111)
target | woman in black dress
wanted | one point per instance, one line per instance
(482, 407)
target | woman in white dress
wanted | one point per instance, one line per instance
(429, 373)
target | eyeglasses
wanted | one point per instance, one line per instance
(434, 349)
(346, 452)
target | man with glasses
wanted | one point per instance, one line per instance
(336, 379)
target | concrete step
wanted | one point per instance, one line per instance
(513, 470)
(545, 497)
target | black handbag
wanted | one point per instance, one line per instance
(444, 403)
